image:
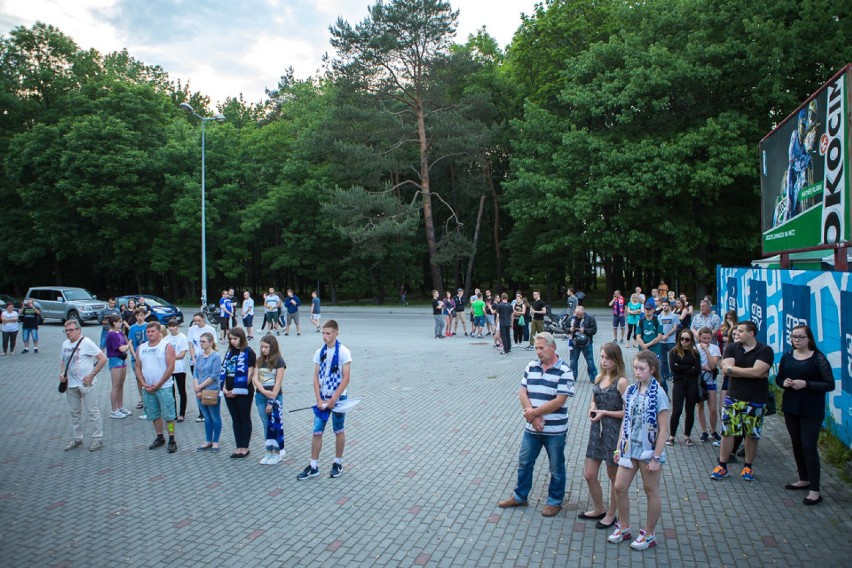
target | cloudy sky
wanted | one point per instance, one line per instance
(228, 47)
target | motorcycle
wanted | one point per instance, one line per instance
(557, 324)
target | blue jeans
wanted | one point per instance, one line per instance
(554, 445)
(337, 421)
(439, 325)
(212, 421)
(260, 404)
(589, 353)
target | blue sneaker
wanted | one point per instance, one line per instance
(719, 473)
(747, 474)
(308, 472)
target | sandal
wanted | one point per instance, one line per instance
(180, 419)
(688, 443)
(670, 442)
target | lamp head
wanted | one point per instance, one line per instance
(219, 117)
(187, 107)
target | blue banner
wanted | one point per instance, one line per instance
(757, 307)
(846, 340)
(732, 296)
(797, 309)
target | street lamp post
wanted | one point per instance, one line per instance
(218, 118)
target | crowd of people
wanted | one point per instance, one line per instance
(633, 421)
(162, 359)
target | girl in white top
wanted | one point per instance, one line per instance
(268, 399)
(710, 355)
(181, 346)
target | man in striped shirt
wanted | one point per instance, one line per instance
(545, 388)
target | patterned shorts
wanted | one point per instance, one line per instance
(742, 418)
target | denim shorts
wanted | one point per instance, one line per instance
(159, 404)
(248, 320)
(479, 321)
(617, 321)
(117, 363)
(336, 422)
(27, 332)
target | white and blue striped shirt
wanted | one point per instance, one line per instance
(543, 386)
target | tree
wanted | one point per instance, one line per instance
(391, 54)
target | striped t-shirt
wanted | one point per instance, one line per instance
(543, 386)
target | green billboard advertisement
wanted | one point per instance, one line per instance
(804, 180)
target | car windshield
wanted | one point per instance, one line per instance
(155, 302)
(78, 294)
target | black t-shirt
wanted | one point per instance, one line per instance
(29, 318)
(538, 305)
(752, 390)
(436, 307)
(504, 311)
(460, 302)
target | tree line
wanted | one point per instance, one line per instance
(610, 136)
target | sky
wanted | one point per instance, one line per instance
(230, 47)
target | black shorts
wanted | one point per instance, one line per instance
(224, 323)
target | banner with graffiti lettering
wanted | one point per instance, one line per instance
(778, 300)
(804, 181)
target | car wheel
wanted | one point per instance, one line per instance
(74, 316)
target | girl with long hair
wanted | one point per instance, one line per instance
(268, 398)
(685, 363)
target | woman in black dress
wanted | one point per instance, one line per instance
(805, 375)
(605, 414)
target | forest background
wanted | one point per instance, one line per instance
(610, 137)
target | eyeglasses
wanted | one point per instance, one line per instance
(72, 330)
(686, 339)
(798, 337)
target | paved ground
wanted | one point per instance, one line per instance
(430, 452)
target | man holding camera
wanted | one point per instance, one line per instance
(583, 327)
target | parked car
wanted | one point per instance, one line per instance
(66, 302)
(160, 310)
(6, 298)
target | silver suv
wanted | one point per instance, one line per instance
(66, 303)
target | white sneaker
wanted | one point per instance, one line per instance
(266, 459)
(117, 414)
(273, 459)
(125, 411)
(282, 452)
(143, 417)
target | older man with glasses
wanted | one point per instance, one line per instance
(80, 364)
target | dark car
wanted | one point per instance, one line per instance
(6, 298)
(160, 310)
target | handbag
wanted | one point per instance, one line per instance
(210, 397)
(63, 385)
(521, 321)
(703, 394)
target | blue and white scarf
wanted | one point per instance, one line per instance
(649, 440)
(274, 427)
(329, 371)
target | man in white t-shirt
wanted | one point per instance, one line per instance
(155, 365)
(248, 314)
(272, 305)
(81, 362)
(332, 364)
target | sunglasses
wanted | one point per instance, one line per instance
(686, 339)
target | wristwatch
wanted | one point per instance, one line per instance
(658, 459)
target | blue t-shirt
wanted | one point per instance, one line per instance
(315, 305)
(226, 307)
(136, 335)
(668, 322)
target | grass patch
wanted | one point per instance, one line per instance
(834, 452)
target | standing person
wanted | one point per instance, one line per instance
(129, 316)
(459, 302)
(226, 310)
(489, 313)
(519, 315)
(268, 399)
(136, 337)
(437, 315)
(30, 315)
(684, 316)
(403, 295)
(505, 315)
(686, 366)
(449, 311)
(639, 294)
(538, 309)
(571, 301)
(669, 326)
(155, 366)
(237, 379)
(649, 333)
(618, 312)
(634, 312)
(316, 310)
(727, 327)
(746, 363)
(247, 313)
(81, 362)
(233, 296)
(181, 346)
(805, 375)
(116, 352)
(641, 446)
(193, 337)
(272, 309)
(705, 318)
(208, 365)
(103, 317)
(292, 302)
(545, 387)
(9, 319)
(710, 356)
(606, 412)
(477, 308)
(663, 289)
(582, 330)
(332, 369)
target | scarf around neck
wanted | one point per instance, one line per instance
(649, 422)
(329, 372)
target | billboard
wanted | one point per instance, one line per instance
(805, 200)
(778, 300)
